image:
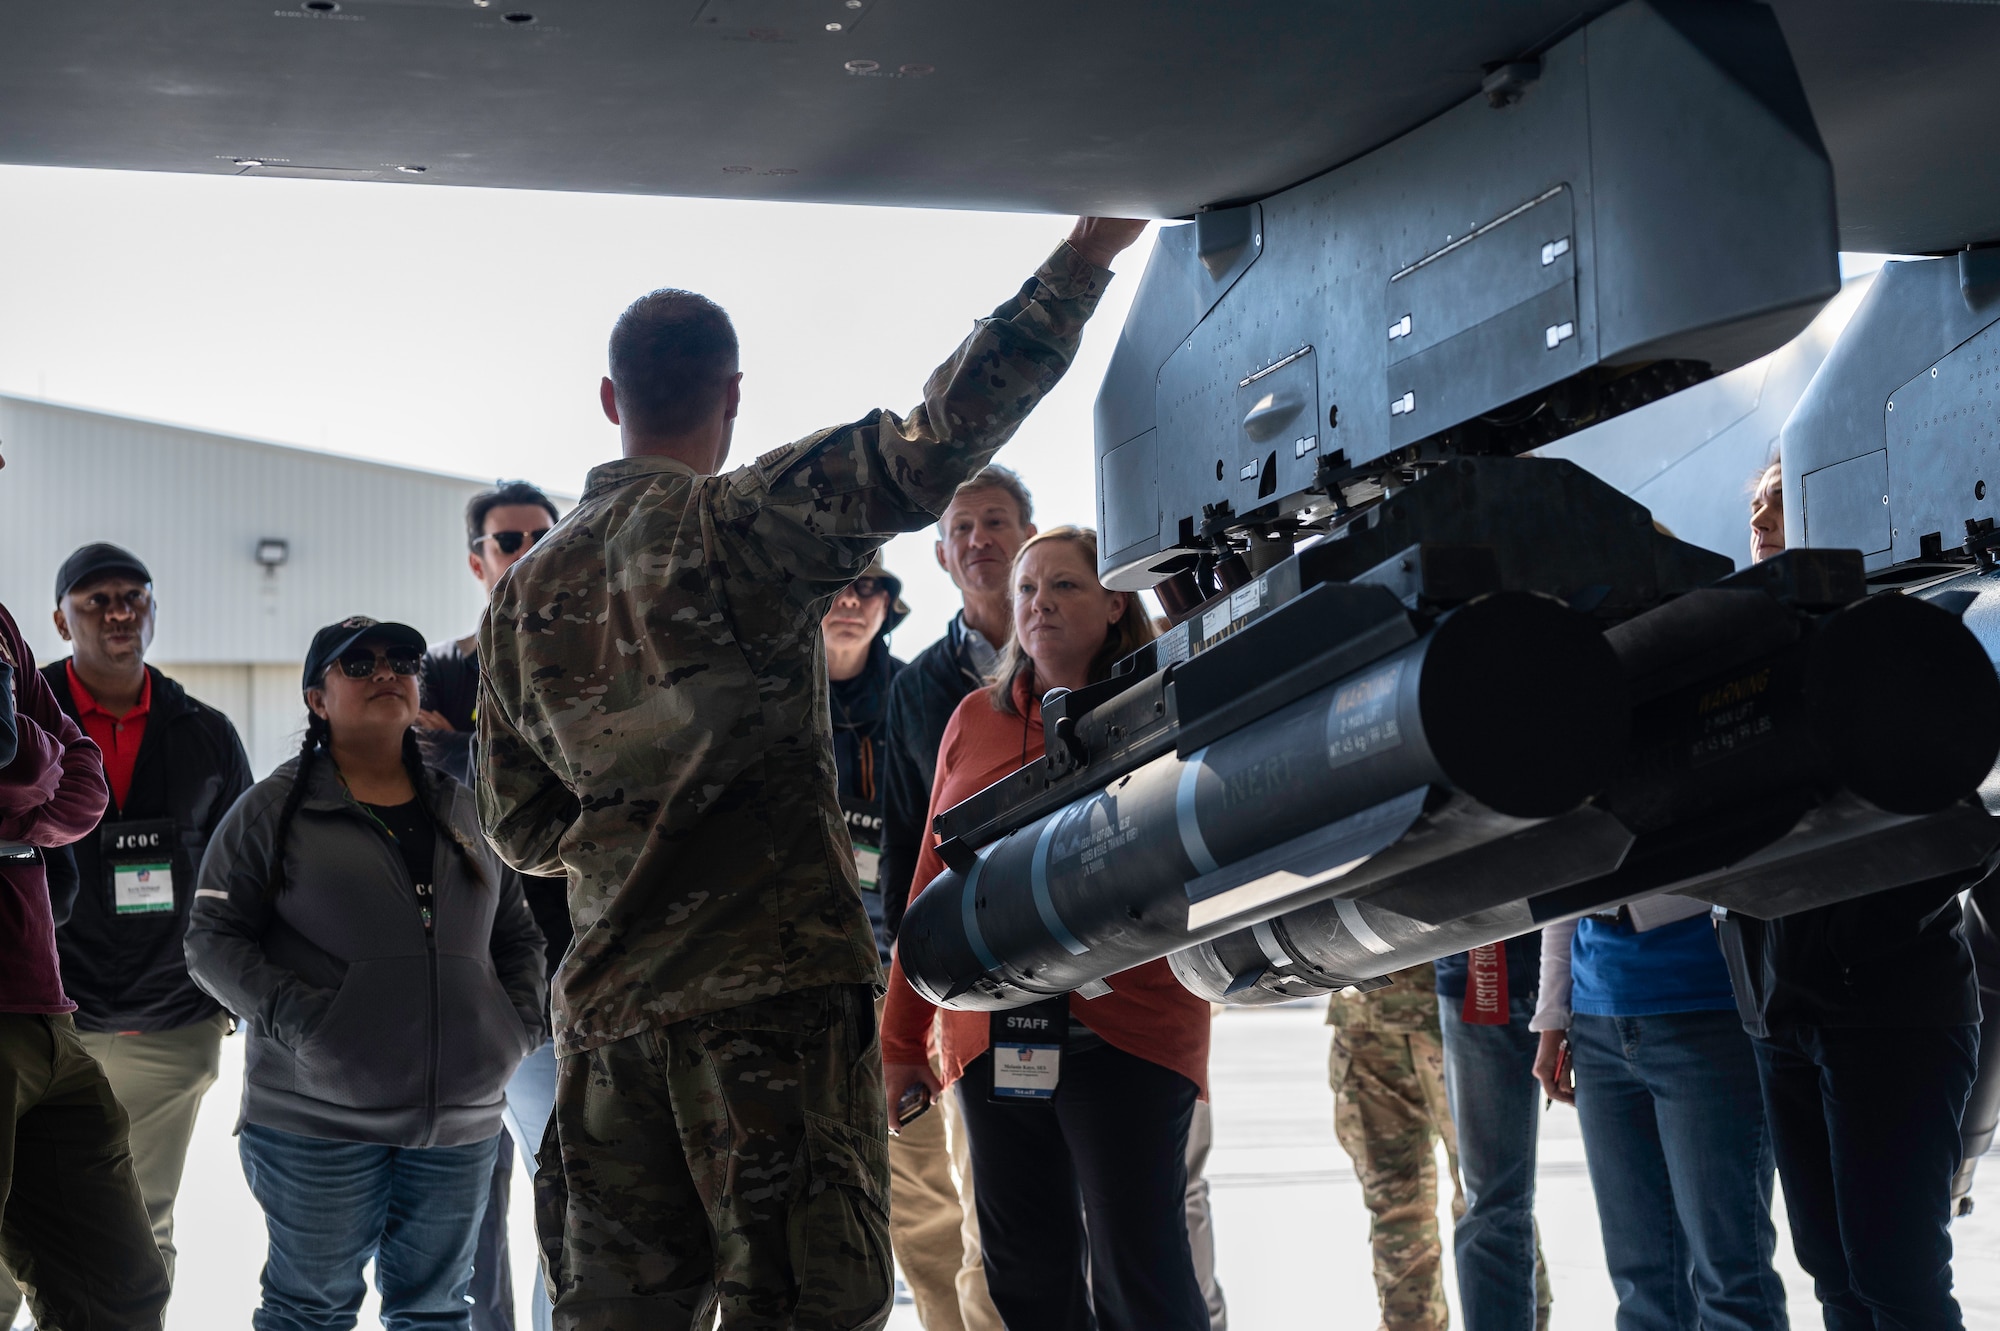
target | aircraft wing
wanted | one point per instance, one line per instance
(1157, 109)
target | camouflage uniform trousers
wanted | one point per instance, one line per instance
(732, 1163)
(1389, 1111)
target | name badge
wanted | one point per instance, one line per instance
(142, 889)
(1027, 1050)
(138, 857)
(868, 867)
(864, 833)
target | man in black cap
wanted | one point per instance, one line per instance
(174, 766)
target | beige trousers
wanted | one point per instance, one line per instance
(159, 1079)
(1200, 1223)
(932, 1225)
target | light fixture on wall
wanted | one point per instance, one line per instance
(272, 552)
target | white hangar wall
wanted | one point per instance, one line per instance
(360, 538)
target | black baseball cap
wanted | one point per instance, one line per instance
(331, 641)
(93, 559)
(898, 609)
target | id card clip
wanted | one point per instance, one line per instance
(1027, 1050)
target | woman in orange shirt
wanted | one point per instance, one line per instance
(1108, 1142)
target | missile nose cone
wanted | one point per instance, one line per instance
(1524, 704)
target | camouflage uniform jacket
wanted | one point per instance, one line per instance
(653, 716)
(1409, 1006)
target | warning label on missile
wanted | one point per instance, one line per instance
(1731, 717)
(1361, 720)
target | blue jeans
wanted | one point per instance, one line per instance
(329, 1206)
(531, 1100)
(1680, 1159)
(1489, 1079)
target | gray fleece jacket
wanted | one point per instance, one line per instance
(364, 1024)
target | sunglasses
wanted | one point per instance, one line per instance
(867, 587)
(510, 542)
(361, 662)
(133, 602)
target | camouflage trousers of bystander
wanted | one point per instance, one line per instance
(1389, 1112)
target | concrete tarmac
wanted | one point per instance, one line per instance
(1291, 1233)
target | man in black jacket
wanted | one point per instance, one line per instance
(501, 525)
(988, 521)
(175, 766)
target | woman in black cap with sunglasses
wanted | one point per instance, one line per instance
(391, 980)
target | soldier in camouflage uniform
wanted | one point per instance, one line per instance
(653, 723)
(1387, 1072)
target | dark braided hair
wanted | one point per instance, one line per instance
(317, 735)
(317, 741)
(413, 763)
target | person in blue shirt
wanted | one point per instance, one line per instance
(1638, 1030)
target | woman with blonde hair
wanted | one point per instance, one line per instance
(1078, 1161)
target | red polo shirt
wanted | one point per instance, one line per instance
(119, 736)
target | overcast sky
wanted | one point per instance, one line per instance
(464, 330)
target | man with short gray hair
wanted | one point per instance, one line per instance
(931, 1220)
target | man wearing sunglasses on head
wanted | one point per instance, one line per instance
(174, 765)
(502, 525)
(654, 719)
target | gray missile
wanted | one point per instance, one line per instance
(1781, 759)
(1508, 712)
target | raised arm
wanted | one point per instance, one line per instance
(810, 515)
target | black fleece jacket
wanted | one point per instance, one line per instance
(921, 701)
(1895, 958)
(127, 973)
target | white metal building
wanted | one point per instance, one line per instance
(252, 546)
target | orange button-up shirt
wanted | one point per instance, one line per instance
(118, 736)
(1147, 1013)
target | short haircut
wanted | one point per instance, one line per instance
(993, 476)
(672, 353)
(502, 495)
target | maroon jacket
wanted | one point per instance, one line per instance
(53, 793)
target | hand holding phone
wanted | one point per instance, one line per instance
(916, 1102)
(1554, 1070)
